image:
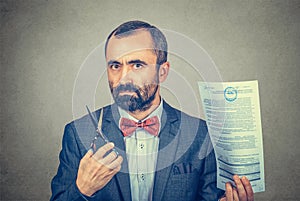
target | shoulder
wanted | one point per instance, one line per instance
(85, 122)
(82, 130)
(174, 113)
(192, 129)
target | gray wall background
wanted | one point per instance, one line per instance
(43, 44)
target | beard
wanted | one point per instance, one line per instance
(141, 100)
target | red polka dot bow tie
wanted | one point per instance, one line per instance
(151, 125)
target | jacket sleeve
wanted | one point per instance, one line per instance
(208, 190)
(63, 184)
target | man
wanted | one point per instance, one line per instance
(159, 147)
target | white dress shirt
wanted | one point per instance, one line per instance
(141, 152)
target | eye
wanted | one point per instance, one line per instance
(115, 66)
(138, 65)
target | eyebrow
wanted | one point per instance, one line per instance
(113, 62)
(136, 61)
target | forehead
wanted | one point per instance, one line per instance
(138, 42)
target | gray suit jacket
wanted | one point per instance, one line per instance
(186, 166)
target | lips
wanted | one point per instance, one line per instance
(127, 92)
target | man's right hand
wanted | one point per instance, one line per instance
(95, 170)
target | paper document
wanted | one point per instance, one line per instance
(232, 114)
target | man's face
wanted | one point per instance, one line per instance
(132, 73)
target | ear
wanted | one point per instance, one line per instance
(163, 71)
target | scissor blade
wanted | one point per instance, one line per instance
(92, 117)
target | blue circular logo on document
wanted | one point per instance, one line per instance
(230, 94)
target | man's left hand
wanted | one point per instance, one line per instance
(242, 192)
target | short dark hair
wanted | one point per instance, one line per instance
(159, 40)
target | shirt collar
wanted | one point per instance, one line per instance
(157, 112)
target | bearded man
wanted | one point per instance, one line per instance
(158, 147)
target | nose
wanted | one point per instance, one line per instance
(126, 75)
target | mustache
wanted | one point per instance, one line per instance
(126, 87)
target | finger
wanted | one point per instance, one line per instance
(88, 154)
(115, 163)
(223, 198)
(109, 158)
(235, 194)
(103, 150)
(248, 188)
(229, 195)
(240, 188)
(117, 169)
(111, 173)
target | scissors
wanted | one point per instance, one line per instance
(99, 131)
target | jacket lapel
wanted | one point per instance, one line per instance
(111, 118)
(167, 150)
